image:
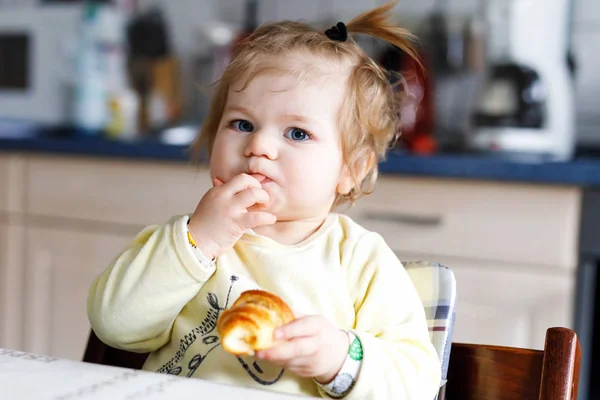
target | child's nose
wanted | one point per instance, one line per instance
(261, 144)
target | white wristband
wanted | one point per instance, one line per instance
(202, 258)
(344, 381)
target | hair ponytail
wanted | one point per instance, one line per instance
(376, 23)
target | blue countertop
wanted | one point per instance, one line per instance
(580, 172)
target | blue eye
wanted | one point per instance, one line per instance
(297, 134)
(242, 125)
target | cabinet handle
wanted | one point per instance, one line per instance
(402, 218)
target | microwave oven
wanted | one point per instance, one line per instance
(34, 62)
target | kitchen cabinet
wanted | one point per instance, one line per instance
(81, 214)
(12, 247)
(4, 262)
(4, 182)
(515, 223)
(60, 265)
(12, 180)
(509, 304)
(513, 247)
(110, 192)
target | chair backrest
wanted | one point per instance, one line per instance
(97, 352)
(436, 286)
(507, 373)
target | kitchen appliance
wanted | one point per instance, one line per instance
(35, 82)
(526, 104)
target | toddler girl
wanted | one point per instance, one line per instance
(297, 126)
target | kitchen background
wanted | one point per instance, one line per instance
(463, 43)
(496, 175)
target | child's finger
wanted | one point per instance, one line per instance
(291, 349)
(299, 365)
(300, 327)
(241, 182)
(249, 197)
(217, 182)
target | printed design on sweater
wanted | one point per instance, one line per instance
(206, 327)
(209, 338)
(258, 369)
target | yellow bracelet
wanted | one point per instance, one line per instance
(191, 239)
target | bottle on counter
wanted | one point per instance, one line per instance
(90, 105)
(104, 100)
(122, 101)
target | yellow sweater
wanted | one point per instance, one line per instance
(156, 297)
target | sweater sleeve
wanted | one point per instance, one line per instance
(399, 360)
(132, 305)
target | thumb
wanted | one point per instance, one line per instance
(217, 182)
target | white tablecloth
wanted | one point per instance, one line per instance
(35, 377)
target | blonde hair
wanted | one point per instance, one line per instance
(369, 118)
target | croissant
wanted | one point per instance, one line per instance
(248, 325)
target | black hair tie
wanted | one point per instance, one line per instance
(338, 32)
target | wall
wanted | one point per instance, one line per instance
(339, 9)
(586, 41)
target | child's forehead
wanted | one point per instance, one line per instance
(298, 68)
(285, 94)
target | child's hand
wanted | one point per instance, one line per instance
(222, 215)
(313, 347)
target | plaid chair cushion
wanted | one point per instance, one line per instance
(437, 289)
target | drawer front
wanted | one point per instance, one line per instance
(109, 191)
(4, 182)
(483, 220)
(11, 183)
(59, 270)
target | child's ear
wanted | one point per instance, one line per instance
(347, 180)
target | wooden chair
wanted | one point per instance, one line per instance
(475, 372)
(97, 352)
(504, 373)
